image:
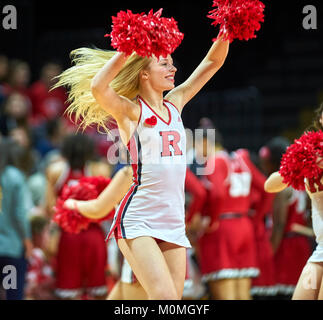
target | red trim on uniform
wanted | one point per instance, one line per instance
(117, 223)
(169, 113)
(120, 211)
(137, 122)
(173, 105)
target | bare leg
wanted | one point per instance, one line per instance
(309, 283)
(175, 257)
(133, 291)
(149, 265)
(223, 289)
(243, 289)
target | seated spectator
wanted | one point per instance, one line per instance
(40, 277)
(52, 138)
(29, 160)
(47, 104)
(18, 78)
(4, 65)
(14, 113)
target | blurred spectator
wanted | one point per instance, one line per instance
(18, 78)
(15, 235)
(53, 137)
(40, 277)
(47, 104)
(14, 113)
(4, 67)
(29, 158)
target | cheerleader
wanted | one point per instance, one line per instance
(309, 284)
(228, 263)
(75, 276)
(130, 89)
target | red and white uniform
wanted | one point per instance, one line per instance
(229, 251)
(154, 204)
(294, 249)
(81, 258)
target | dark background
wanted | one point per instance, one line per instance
(268, 86)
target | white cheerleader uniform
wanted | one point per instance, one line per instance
(154, 204)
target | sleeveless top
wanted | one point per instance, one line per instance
(154, 204)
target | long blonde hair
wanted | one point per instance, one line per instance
(87, 62)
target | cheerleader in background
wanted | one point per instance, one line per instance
(227, 249)
(81, 258)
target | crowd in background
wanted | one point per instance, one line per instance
(36, 138)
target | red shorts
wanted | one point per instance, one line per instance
(81, 263)
(229, 251)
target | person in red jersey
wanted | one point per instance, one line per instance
(81, 258)
(227, 250)
(47, 104)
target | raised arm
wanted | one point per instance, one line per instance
(275, 183)
(120, 107)
(212, 62)
(109, 197)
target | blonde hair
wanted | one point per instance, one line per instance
(87, 62)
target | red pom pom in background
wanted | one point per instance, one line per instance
(238, 19)
(146, 35)
(300, 161)
(87, 188)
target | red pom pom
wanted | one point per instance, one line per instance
(238, 19)
(87, 188)
(147, 35)
(300, 161)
